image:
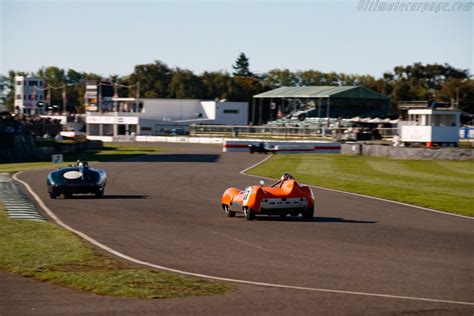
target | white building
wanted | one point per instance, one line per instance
(162, 116)
(28, 91)
(431, 126)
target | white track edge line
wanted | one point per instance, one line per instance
(244, 172)
(144, 263)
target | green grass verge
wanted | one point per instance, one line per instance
(112, 152)
(438, 184)
(49, 253)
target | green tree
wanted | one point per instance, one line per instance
(92, 76)
(331, 79)
(215, 85)
(422, 82)
(185, 84)
(243, 88)
(52, 75)
(310, 78)
(74, 77)
(276, 78)
(154, 79)
(55, 78)
(75, 91)
(454, 87)
(242, 66)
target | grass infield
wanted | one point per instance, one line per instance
(438, 184)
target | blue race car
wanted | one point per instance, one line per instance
(78, 178)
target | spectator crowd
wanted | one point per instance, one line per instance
(28, 124)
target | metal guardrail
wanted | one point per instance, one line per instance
(287, 131)
(268, 130)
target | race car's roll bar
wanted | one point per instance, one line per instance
(284, 177)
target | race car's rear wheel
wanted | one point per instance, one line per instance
(228, 212)
(249, 215)
(53, 194)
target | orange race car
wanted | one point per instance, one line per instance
(282, 198)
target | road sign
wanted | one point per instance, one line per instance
(57, 158)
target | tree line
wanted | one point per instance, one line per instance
(433, 82)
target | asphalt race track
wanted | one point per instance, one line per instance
(164, 209)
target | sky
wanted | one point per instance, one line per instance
(111, 37)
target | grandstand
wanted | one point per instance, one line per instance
(320, 122)
(330, 102)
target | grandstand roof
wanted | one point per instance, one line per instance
(348, 92)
